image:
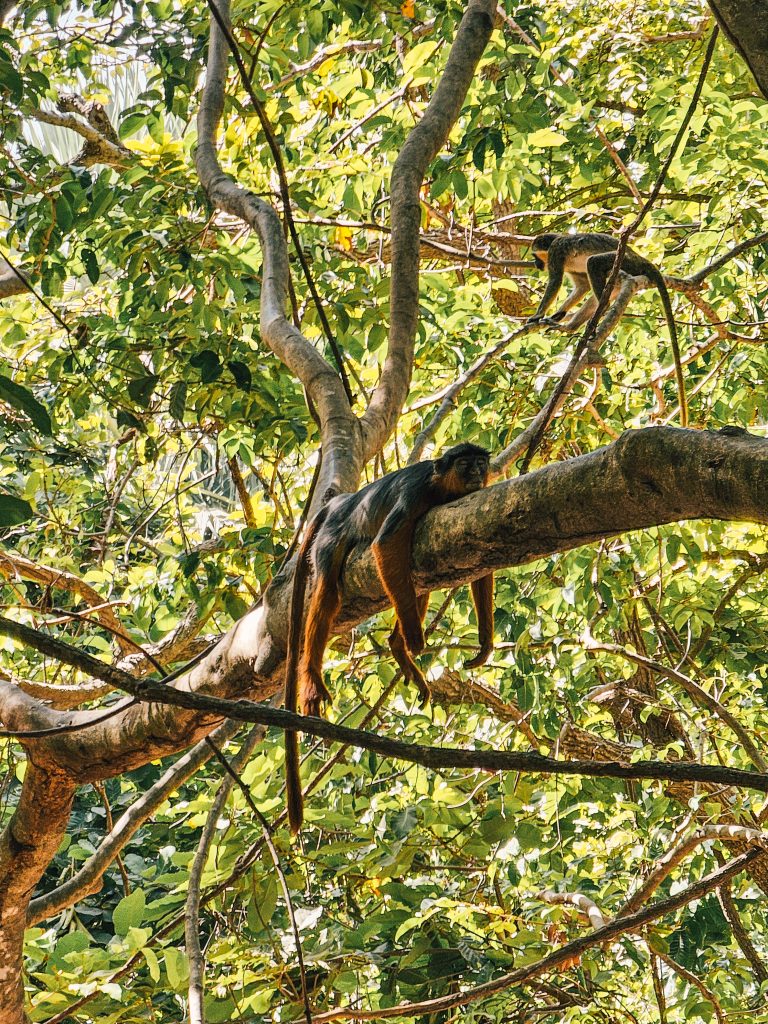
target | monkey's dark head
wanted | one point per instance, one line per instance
(540, 249)
(462, 469)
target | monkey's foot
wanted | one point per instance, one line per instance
(312, 693)
(420, 683)
(415, 643)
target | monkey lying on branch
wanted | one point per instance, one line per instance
(384, 515)
(587, 259)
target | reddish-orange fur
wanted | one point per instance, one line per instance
(383, 514)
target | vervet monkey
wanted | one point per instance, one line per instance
(587, 260)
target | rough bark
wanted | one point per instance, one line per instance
(745, 22)
(342, 452)
(646, 478)
(27, 845)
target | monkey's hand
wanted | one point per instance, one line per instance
(553, 324)
(480, 658)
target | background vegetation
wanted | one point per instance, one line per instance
(155, 456)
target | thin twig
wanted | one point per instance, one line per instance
(278, 868)
(196, 1010)
(450, 393)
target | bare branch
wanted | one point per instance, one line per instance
(692, 688)
(17, 566)
(429, 757)
(420, 148)
(741, 934)
(731, 254)
(675, 856)
(210, 746)
(340, 432)
(451, 393)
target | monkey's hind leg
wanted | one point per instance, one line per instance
(323, 608)
(411, 671)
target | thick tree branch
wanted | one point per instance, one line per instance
(87, 119)
(71, 757)
(646, 478)
(27, 845)
(339, 429)
(745, 22)
(420, 148)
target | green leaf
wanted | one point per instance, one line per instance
(141, 388)
(64, 213)
(178, 399)
(209, 365)
(14, 510)
(152, 963)
(241, 373)
(23, 400)
(11, 81)
(91, 265)
(176, 968)
(478, 154)
(546, 137)
(129, 912)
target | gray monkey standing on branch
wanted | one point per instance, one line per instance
(587, 260)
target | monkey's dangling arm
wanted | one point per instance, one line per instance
(411, 671)
(392, 551)
(555, 269)
(482, 594)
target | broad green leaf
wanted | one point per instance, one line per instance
(23, 400)
(129, 912)
(546, 137)
(13, 510)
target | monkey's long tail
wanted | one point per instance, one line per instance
(293, 794)
(671, 327)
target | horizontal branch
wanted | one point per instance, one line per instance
(146, 690)
(646, 478)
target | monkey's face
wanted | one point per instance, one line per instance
(468, 473)
(540, 259)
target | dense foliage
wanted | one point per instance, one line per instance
(153, 448)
